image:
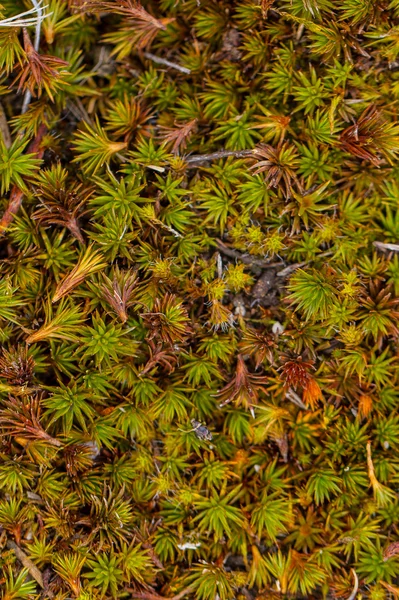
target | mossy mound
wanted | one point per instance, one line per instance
(199, 288)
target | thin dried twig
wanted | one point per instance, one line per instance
(26, 562)
(149, 595)
(35, 497)
(16, 193)
(183, 593)
(192, 161)
(79, 112)
(21, 19)
(167, 63)
(291, 268)
(382, 246)
(246, 258)
(293, 397)
(263, 264)
(355, 586)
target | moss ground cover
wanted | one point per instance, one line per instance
(199, 283)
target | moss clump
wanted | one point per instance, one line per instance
(199, 299)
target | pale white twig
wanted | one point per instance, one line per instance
(391, 247)
(219, 265)
(20, 20)
(39, 10)
(167, 63)
(293, 396)
(24, 23)
(355, 585)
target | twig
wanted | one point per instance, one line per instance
(246, 258)
(219, 265)
(183, 593)
(193, 160)
(291, 268)
(4, 130)
(293, 397)
(39, 11)
(382, 246)
(36, 44)
(20, 20)
(355, 586)
(35, 497)
(263, 264)
(16, 193)
(154, 596)
(79, 111)
(167, 63)
(26, 562)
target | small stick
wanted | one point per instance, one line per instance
(291, 268)
(219, 265)
(355, 586)
(382, 246)
(293, 397)
(167, 63)
(154, 596)
(246, 258)
(79, 111)
(20, 20)
(199, 158)
(17, 194)
(26, 562)
(35, 497)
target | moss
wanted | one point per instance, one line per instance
(199, 299)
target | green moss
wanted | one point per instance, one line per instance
(199, 300)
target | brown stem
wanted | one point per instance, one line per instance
(16, 195)
(37, 430)
(75, 229)
(50, 440)
(26, 562)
